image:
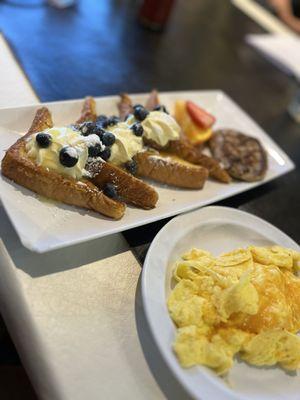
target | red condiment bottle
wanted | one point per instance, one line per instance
(154, 14)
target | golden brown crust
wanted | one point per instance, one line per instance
(124, 106)
(132, 190)
(152, 101)
(170, 170)
(129, 188)
(42, 120)
(214, 168)
(182, 148)
(88, 112)
(17, 166)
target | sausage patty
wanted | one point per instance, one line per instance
(242, 156)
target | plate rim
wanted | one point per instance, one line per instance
(176, 370)
(112, 97)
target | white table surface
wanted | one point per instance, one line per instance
(281, 50)
(75, 314)
(15, 88)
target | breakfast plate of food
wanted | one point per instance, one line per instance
(221, 294)
(77, 170)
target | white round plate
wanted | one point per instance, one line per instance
(217, 229)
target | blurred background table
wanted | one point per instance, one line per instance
(98, 48)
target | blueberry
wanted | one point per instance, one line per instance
(110, 190)
(131, 166)
(94, 151)
(161, 108)
(43, 140)
(140, 112)
(105, 154)
(113, 120)
(137, 129)
(102, 121)
(68, 156)
(108, 138)
(99, 131)
(87, 128)
(101, 117)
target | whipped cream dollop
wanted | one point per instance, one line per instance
(159, 127)
(126, 146)
(62, 137)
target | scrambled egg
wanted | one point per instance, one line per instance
(246, 302)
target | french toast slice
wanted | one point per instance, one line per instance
(124, 106)
(131, 189)
(152, 101)
(88, 112)
(17, 166)
(170, 169)
(184, 149)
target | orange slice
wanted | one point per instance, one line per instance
(195, 133)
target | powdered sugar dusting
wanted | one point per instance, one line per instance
(93, 166)
(87, 173)
(93, 161)
(160, 159)
(71, 151)
(93, 140)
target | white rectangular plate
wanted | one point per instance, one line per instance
(218, 230)
(43, 226)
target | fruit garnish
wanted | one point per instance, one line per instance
(108, 138)
(98, 131)
(43, 140)
(140, 112)
(137, 129)
(102, 121)
(113, 120)
(131, 166)
(87, 128)
(105, 154)
(68, 156)
(94, 151)
(200, 137)
(192, 131)
(199, 116)
(110, 190)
